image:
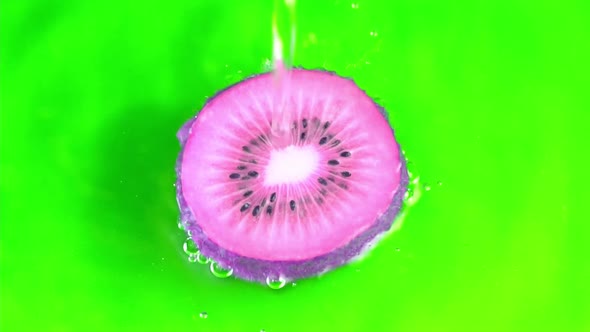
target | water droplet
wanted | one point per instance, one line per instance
(293, 284)
(409, 193)
(201, 259)
(192, 258)
(181, 225)
(427, 187)
(220, 272)
(203, 315)
(267, 64)
(354, 5)
(276, 283)
(189, 247)
(373, 33)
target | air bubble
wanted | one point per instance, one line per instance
(201, 259)
(373, 33)
(276, 283)
(189, 247)
(203, 315)
(220, 272)
(439, 183)
(181, 225)
(354, 6)
(427, 187)
(192, 258)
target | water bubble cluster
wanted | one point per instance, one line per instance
(195, 256)
(193, 252)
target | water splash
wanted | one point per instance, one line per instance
(279, 60)
(280, 118)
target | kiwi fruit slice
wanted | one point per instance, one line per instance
(288, 179)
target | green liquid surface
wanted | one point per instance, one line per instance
(489, 101)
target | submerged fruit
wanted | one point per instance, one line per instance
(280, 181)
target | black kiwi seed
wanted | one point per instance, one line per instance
(331, 179)
(273, 196)
(253, 161)
(302, 135)
(244, 207)
(343, 186)
(323, 192)
(256, 210)
(246, 149)
(336, 142)
(323, 181)
(241, 167)
(253, 142)
(333, 162)
(253, 174)
(234, 176)
(246, 178)
(263, 202)
(292, 205)
(269, 210)
(304, 123)
(346, 174)
(326, 125)
(248, 193)
(345, 154)
(323, 140)
(262, 138)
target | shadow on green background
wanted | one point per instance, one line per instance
(488, 98)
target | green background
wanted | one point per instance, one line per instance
(490, 98)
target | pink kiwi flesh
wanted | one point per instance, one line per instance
(288, 182)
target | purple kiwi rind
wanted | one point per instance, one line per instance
(259, 270)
